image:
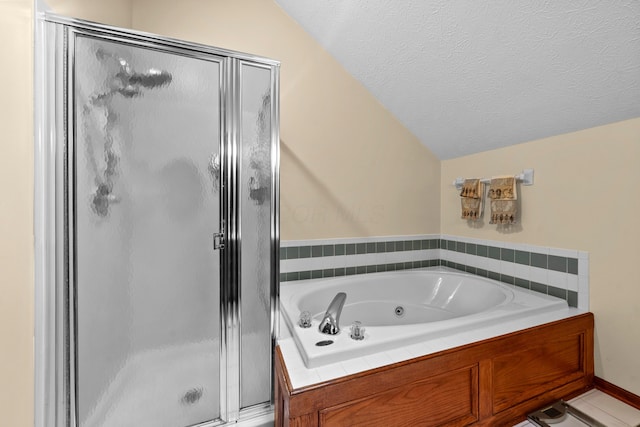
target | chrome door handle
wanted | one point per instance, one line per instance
(218, 241)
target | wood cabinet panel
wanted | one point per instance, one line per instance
(521, 375)
(449, 399)
(307, 420)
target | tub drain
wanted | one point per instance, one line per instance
(399, 310)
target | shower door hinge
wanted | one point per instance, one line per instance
(218, 238)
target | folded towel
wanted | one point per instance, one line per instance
(503, 195)
(471, 188)
(471, 199)
(471, 208)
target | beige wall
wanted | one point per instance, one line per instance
(584, 197)
(16, 214)
(111, 12)
(348, 167)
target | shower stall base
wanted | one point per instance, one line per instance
(169, 379)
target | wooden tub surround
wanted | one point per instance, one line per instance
(494, 382)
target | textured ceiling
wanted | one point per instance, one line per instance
(469, 76)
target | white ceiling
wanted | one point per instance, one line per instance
(472, 75)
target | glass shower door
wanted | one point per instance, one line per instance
(145, 204)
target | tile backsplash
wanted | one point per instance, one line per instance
(562, 273)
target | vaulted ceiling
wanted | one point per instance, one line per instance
(472, 75)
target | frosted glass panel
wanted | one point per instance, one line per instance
(255, 225)
(147, 202)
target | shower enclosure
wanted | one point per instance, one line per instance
(157, 211)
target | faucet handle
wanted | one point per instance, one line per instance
(357, 331)
(305, 319)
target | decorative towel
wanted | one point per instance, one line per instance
(503, 195)
(471, 199)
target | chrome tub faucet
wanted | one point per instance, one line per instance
(330, 321)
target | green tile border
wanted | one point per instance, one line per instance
(522, 257)
(339, 249)
(361, 269)
(549, 262)
(534, 259)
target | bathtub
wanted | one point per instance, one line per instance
(401, 308)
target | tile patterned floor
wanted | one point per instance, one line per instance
(602, 407)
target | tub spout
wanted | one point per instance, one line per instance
(330, 322)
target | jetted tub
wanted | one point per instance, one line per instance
(400, 308)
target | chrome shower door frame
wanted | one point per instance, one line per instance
(54, 216)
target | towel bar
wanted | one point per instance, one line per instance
(525, 177)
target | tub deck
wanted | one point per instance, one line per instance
(301, 376)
